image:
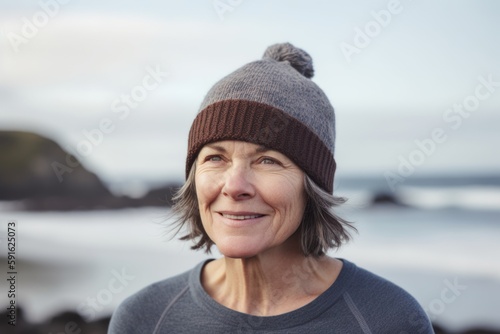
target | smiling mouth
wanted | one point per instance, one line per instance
(241, 217)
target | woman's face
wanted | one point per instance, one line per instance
(251, 199)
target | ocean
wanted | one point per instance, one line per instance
(441, 244)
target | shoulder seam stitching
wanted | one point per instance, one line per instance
(167, 308)
(357, 314)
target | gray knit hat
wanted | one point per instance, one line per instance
(272, 102)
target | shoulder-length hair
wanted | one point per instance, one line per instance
(320, 230)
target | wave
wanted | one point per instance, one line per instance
(468, 197)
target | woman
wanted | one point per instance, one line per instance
(260, 170)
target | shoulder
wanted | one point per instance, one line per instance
(368, 284)
(383, 305)
(140, 312)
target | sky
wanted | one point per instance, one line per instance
(412, 82)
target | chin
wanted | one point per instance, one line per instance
(239, 249)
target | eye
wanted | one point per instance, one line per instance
(213, 158)
(268, 161)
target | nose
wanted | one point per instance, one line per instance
(237, 184)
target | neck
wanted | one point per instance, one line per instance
(276, 282)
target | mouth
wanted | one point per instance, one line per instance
(241, 216)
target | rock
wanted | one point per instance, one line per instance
(30, 167)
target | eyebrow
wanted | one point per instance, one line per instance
(216, 147)
(261, 149)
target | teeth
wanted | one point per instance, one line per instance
(240, 217)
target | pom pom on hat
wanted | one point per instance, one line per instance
(297, 58)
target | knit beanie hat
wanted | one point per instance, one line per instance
(272, 102)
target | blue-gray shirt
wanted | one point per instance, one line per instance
(357, 302)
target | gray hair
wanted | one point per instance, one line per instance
(320, 229)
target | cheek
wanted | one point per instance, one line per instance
(206, 189)
(296, 207)
(288, 198)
